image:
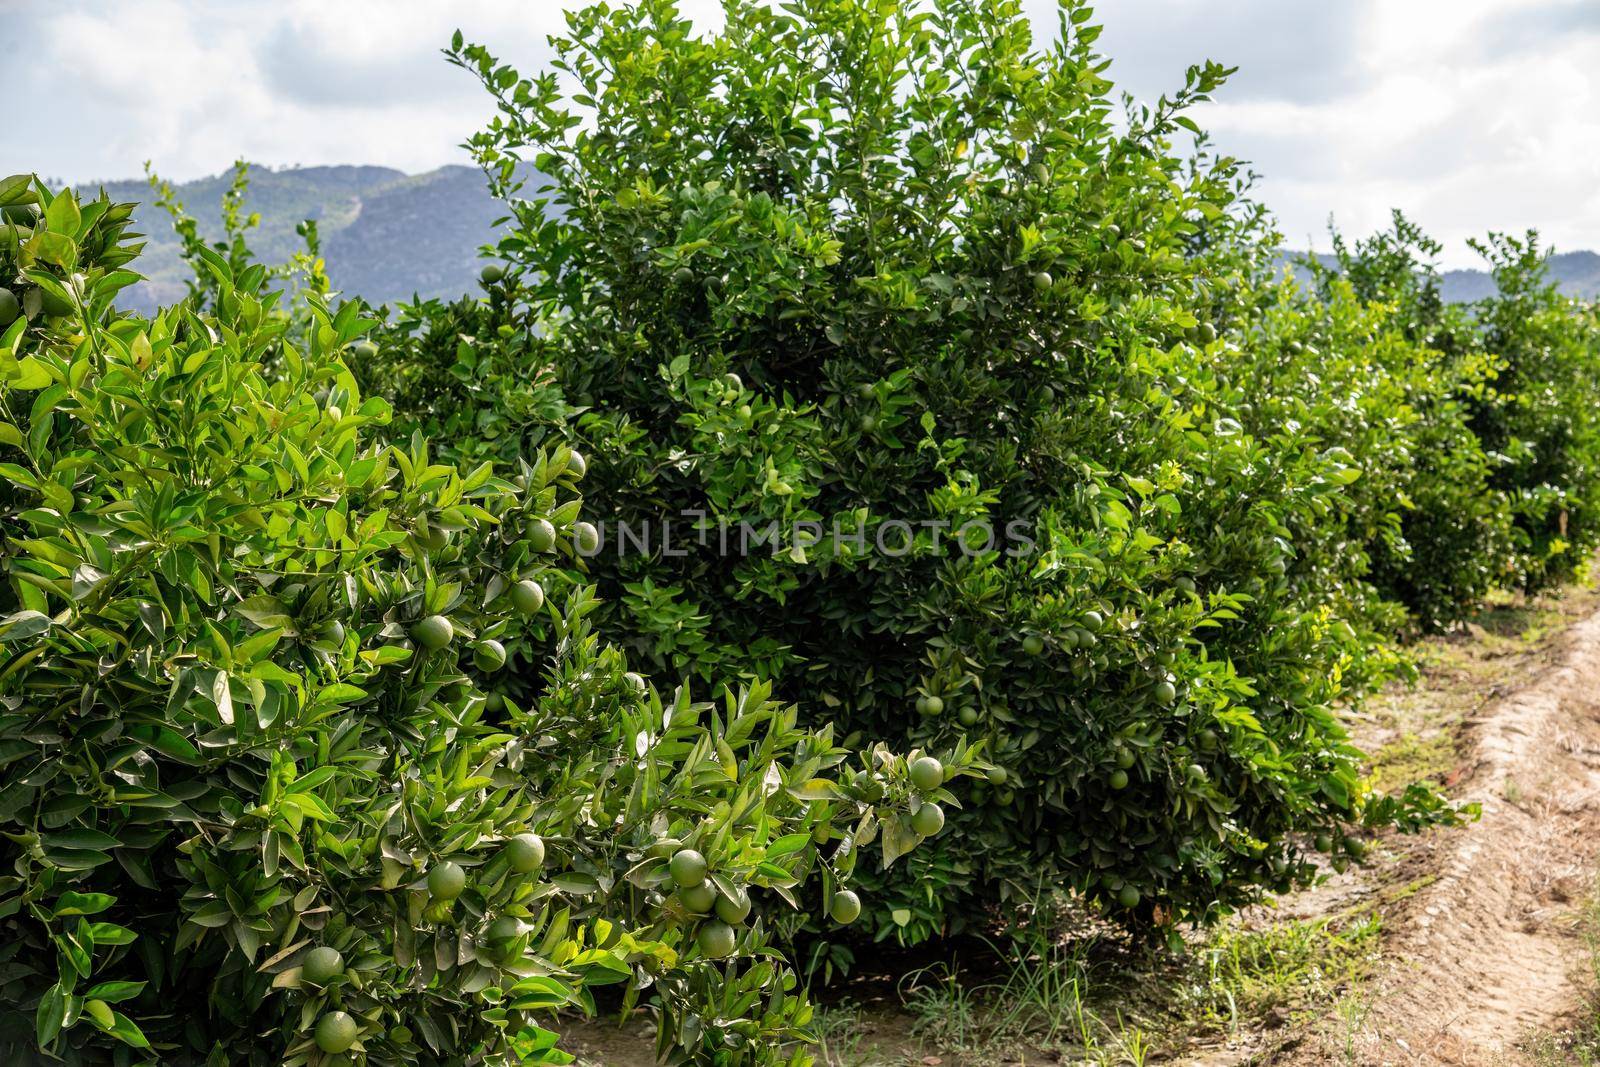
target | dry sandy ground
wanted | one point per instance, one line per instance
(1488, 953)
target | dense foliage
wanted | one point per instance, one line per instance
(1472, 425)
(309, 750)
(893, 273)
(919, 402)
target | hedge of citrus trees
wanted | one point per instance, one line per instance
(945, 411)
(864, 274)
(895, 266)
(1471, 424)
(310, 752)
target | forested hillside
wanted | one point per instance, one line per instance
(386, 235)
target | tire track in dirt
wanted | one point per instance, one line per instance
(1487, 952)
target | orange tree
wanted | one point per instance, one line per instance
(1473, 423)
(856, 276)
(309, 750)
(1344, 365)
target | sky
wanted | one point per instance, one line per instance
(1469, 115)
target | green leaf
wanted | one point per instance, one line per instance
(73, 903)
(63, 216)
(30, 374)
(49, 1016)
(115, 992)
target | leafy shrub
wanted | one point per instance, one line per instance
(1491, 443)
(852, 264)
(1539, 423)
(1418, 532)
(295, 771)
(59, 258)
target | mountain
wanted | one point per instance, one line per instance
(385, 235)
(1575, 274)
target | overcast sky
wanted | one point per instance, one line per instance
(1468, 114)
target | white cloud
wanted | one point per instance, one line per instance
(1468, 114)
(1430, 114)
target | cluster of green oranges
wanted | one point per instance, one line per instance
(527, 596)
(927, 776)
(336, 1031)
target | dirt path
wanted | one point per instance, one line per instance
(1488, 951)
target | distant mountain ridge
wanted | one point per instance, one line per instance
(1577, 274)
(387, 235)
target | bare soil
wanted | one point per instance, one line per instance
(1488, 952)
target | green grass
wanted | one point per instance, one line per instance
(1294, 968)
(1579, 1046)
(1102, 1003)
(841, 1041)
(1413, 758)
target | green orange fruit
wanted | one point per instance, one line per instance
(489, 655)
(716, 939)
(527, 596)
(433, 632)
(492, 273)
(735, 909)
(698, 898)
(1033, 644)
(928, 820)
(321, 965)
(586, 538)
(927, 773)
(336, 1032)
(525, 853)
(1128, 897)
(446, 881)
(687, 867)
(10, 307)
(846, 907)
(541, 535)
